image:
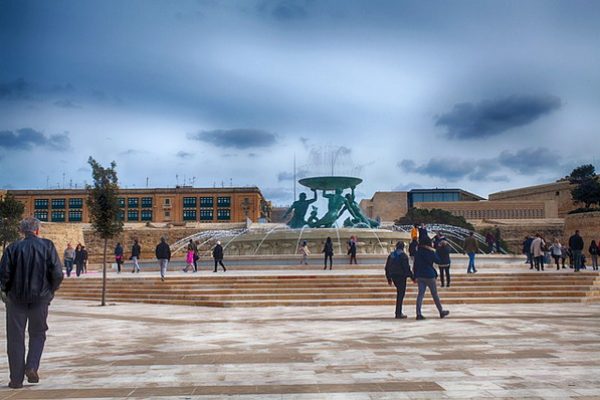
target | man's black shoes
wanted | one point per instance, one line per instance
(401, 316)
(420, 317)
(13, 385)
(32, 376)
(444, 313)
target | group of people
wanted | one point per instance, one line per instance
(328, 251)
(425, 254)
(77, 256)
(539, 252)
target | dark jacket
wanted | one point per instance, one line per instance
(412, 248)
(443, 254)
(593, 248)
(328, 249)
(424, 259)
(136, 250)
(397, 266)
(30, 270)
(218, 252)
(119, 251)
(352, 247)
(576, 242)
(470, 245)
(163, 251)
(527, 245)
(80, 256)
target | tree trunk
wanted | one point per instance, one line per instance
(104, 274)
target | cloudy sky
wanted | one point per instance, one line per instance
(481, 95)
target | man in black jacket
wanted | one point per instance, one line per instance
(30, 273)
(576, 246)
(218, 256)
(163, 253)
(397, 269)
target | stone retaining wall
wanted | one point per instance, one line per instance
(588, 225)
(514, 233)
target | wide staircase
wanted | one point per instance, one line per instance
(334, 290)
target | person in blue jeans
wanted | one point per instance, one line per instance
(426, 276)
(470, 247)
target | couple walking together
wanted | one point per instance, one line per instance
(397, 270)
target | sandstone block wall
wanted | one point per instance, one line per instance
(588, 225)
(514, 233)
(61, 234)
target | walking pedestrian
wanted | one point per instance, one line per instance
(136, 251)
(119, 257)
(593, 250)
(328, 252)
(163, 254)
(196, 256)
(30, 274)
(189, 259)
(218, 256)
(564, 255)
(79, 259)
(537, 251)
(527, 251)
(470, 248)
(426, 276)
(576, 246)
(352, 249)
(443, 255)
(412, 249)
(397, 270)
(556, 251)
(69, 257)
(305, 252)
(85, 260)
(490, 240)
(414, 232)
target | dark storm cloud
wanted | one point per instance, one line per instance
(530, 160)
(525, 161)
(284, 10)
(493, 117)
(21, 89)
(27, 138)
(66, 104)
(236, 138)
(15, 90)
(184, 155)
(454, 169)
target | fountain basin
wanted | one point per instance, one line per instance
(286, 241)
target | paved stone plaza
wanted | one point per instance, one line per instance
(142, 351)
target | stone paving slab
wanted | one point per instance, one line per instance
(140, 351)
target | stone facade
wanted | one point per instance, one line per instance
(496, 209)
(588, 225)
(388, 206)
(560, 192)
(172, 205)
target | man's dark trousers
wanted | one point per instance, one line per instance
(17, 317)
(400, 284)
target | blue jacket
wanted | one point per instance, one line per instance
(424, 259)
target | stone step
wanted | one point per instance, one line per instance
(330, 289)
(385, 290)
(326, 295)
(346, 302)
